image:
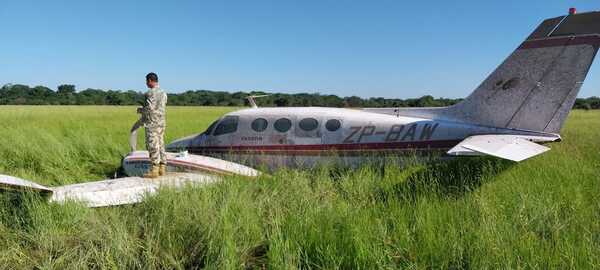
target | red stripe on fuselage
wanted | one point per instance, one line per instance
(564, 41)
(299, 149)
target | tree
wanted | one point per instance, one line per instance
(353, 101)
(66, 89)
(66, 93)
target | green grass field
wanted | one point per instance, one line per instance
(472, 213)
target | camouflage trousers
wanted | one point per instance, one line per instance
(155, 143)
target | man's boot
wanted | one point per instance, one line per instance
(153, 172)
(162, 169)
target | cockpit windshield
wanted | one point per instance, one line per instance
(227, 125)
(210, 128)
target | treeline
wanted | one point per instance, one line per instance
(18, 94)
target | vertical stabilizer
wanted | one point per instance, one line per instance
(536, 86)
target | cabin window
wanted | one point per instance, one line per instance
(282, 124)
(227, 125)
(308, 124)
(333, 125)
(259, 124)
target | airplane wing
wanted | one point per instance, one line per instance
(120, 191)
(511, 147)
(184, 169)
(126, 190)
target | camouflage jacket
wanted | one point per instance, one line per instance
(154, 110)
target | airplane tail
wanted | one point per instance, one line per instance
(536, 86)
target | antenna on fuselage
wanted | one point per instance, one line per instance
(252, 101)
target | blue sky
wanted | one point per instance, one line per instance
(364, 48)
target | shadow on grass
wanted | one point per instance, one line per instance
(447, 178)
(256, 257)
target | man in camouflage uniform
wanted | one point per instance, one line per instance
(153, 117)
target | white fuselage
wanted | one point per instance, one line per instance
(305, 136)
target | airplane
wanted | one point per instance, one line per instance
(519, 106)
(525, 101)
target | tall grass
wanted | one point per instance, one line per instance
(466, 213)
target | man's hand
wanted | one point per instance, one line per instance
(140, 109)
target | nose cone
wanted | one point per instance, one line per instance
(180, 144)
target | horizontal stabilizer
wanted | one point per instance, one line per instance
(511, 147)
